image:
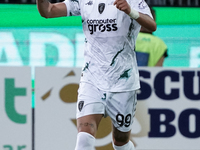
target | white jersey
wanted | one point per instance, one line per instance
(110, 61)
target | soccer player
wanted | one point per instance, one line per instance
(110, 75)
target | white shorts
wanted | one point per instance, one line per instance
(120, 106)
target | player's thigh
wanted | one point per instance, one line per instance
(89, 101)
(121, 108)
(90, 108)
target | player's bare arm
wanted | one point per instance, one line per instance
(49, 10)
(147, 22)
(143, 19)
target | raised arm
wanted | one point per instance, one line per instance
(147, 22)
(143, 19)
(49, 10)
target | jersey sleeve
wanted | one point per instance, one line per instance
(142, 7)
(73, 7)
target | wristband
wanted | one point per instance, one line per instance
(134, 14)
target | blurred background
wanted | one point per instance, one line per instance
(194, 3)
(178, 26)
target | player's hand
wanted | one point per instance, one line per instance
(123, 6)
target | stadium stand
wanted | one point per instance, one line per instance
(171, 3)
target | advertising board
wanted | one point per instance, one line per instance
(167, 115)
(15, 108)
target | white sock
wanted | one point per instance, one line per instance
(128, 146)
(85, 141)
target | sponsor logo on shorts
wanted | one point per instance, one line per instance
(80, 105)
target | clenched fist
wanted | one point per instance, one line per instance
(123, 6)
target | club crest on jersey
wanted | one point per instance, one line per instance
(80, 105)
(101, 7)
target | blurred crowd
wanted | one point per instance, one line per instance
(173, 3)
(183, 3)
